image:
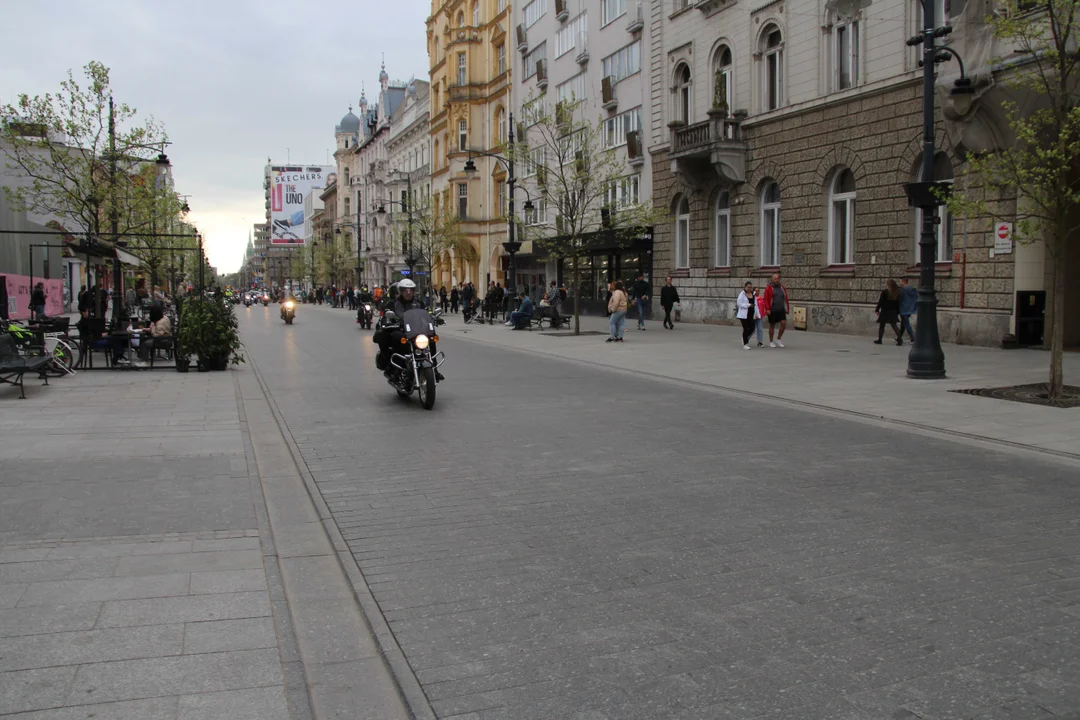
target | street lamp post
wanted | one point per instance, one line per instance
(406, 207)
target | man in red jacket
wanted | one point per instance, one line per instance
(778, 305)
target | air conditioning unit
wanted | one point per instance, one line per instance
(541, 74)
(633, 148)
(582, 45)
(522, 39)
(561, 11)
(607, 93)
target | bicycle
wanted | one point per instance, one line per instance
(55, 344)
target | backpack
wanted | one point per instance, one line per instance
(562, 293)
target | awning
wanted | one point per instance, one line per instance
(127, 258)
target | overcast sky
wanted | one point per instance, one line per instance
(234, 82)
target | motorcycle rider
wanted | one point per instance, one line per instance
(406, 300)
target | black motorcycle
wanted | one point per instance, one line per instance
(365, 315)
(266, 300)
(412, 366)
(247, 301)
(288, 311)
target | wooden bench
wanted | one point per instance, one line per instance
(13, 364)
(548, 315)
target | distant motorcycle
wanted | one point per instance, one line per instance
(266, 300)
(247, 301)
(365, 315)
(288, 311)
(412, 367)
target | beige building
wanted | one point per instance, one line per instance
(781, 138)
(470, 51)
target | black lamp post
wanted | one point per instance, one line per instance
(410, 257)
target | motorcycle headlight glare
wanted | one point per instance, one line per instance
(289, 305)
(421, 342)
(367, 307)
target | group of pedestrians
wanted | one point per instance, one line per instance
(752, 308)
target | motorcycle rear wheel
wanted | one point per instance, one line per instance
(427, 388)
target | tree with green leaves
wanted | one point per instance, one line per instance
(76, 172)
(1039, 169)
(434, 231)
(581, 181)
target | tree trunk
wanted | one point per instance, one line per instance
(1057, 318)
(577, 293)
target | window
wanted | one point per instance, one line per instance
(533, 11)
(772, 76)
(500, 126)
(682, 234)
(722, 239)
(500, 197)
(346, 207)
(624, 193)
(842, 219)
(436, 53)
(539, 53)
(942, 13)
(615, 128)
(566, 36)
(533, 111)
(501, 5)
(536, 159)
(461, 19)
(476, 14)
(500, 55)
(623, 62)
(462, 69)
(845, 50)
(436, 155)
(683, 94)
(770, 224)
(463, 135)
(723, 90)
(611, 9)
(573, 90)
(943, 172)
(678, 5)
(346, 176)
(538, 214)
(463, 201)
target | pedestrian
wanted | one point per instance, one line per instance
(352, 298)
(778, 303)
(617, 306)
(37, 301)
(669, 297)
(641, 292)
(747, 312)
(909, 305)
(455, 298)
(444, 299)
(759, 300)
(888, 311)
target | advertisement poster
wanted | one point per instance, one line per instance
(18, 295)
(289, 185)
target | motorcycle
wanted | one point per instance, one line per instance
(365, 315)
(266, 300)
(247, 301)
(413, 367)
(288, 311)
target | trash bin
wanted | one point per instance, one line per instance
(1030, 317)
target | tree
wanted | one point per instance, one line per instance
(334, 260)
(581, 181)
(1040, 168)
(157, 210)
(76, 172)
(434, 231)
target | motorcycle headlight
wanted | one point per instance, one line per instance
(367, 308)
(289, 305)
(421, 342)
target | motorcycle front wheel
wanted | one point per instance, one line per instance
(427, 388)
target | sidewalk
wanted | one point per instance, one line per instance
(837, 372)
(150, 571)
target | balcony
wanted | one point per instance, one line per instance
(464, 92)
(708, 151)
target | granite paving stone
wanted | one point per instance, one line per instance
(253, 704)
(151, 709)
(223, 635)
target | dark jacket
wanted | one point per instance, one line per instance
(37, 297)
(668, 296)
(909, 300)
(526, 307)
(641, 289)
(888, 308)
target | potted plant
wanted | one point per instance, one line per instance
(209, 329)
(720, 104)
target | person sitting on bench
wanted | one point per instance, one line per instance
(520, 318)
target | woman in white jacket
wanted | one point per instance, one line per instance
(748, 313)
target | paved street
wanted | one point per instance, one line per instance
(581, 542)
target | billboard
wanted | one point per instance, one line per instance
(289, 185)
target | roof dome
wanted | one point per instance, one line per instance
(350, 123)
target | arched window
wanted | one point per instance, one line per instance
(682, 233)
(436, 156)
(845, 52)
(943, 172)
(770, 224)
(722, 239)
(500, 126)
(842, 219)
(476, 14)
(461, 19)
(346, 176)
(683, 94)
(772, 69)
(435, 54)
(463, 135)
(723, 83)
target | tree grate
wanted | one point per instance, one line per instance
(1033, 394)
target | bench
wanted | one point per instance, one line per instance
(550, 316)
(13, 365)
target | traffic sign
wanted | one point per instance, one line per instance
(1003, 238)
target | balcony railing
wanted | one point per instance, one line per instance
(702, 134)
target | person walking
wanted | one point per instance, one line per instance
(37, 301)
(641, 291)
(669, 296)
(444, 298)
(455, 298)
(888, 311)
(617, 306)
(909, 305)
(778, 303)
(747, 312)
(759, 300)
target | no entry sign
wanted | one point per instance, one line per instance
(1003, 238)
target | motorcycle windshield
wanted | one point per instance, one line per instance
(417, 321)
